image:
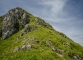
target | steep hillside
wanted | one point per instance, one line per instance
(26, 37)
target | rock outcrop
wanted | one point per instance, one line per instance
(39, 21)
(13, 21)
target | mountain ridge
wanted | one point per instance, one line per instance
(33, 35)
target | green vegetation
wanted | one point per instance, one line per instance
(1, 20)
(40, 38)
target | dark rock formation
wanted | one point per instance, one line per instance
(13, 21)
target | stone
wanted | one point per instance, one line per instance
(16, 11)
(13, 21)
(60, 51)
(52, 47)
(8, 33)
(77, 58)
(16, 49)
(25, 19)
(24, 16)
(11, 11)
(40, 22)
(24, 47)
(28, 46)
(26, 29)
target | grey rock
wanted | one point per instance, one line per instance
(24, 16)
(16, 49)
(26, 29)
(14, 20)
(25, 19)
(40, 22)
(28, 46)
(24, 47)
(52, 47)
(59, 51)
(8, 33)
(16, 11)
(77, 58)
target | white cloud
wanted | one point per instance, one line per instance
(56, 6)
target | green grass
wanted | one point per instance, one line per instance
(41, 50)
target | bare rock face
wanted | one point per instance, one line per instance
(14, 20)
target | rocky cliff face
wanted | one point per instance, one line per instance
(13, 21)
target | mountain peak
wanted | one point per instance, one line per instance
(27, 35)
(12, 21)
(16, 19)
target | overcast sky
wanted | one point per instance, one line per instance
(64, 15)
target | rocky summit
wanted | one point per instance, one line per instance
(13, 21)
(24, 36)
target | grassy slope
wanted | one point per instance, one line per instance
(40, 50)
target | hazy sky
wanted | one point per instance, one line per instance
(64, 15)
